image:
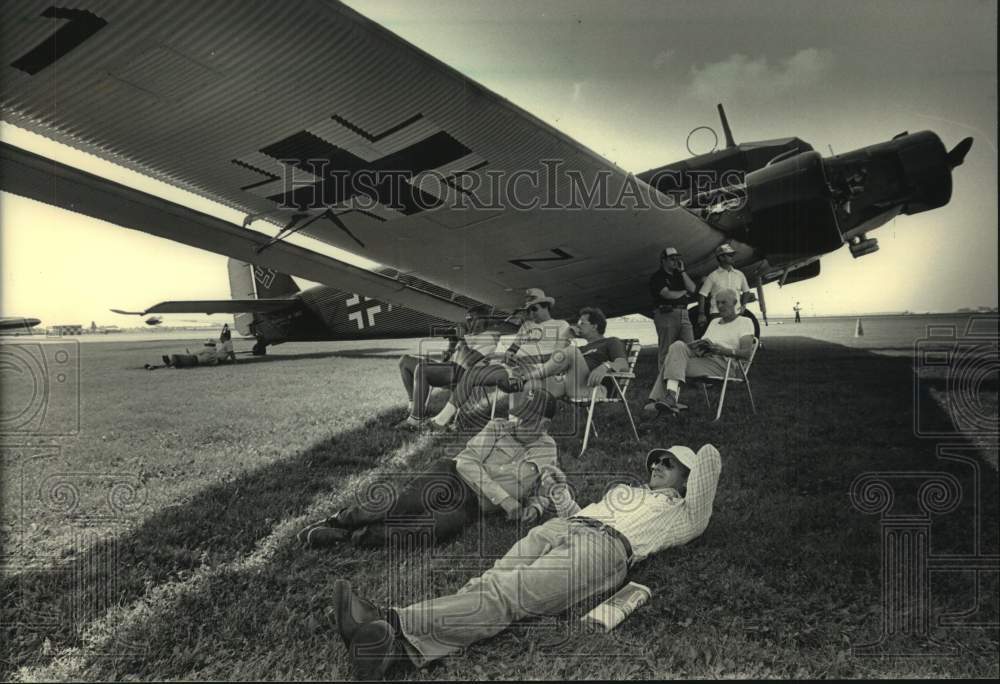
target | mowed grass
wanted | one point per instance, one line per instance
(198, 575)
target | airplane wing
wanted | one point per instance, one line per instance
(214, 306)
(30, 175)
(316, 119)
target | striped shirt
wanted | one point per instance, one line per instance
(656, 519)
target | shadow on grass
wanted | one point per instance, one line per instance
(223, 522)
(786, 572)
(364, 353)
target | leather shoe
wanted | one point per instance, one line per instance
(324, 537)
(373, 649)
(303, 535)
(351, 611)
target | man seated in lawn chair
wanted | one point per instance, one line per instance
(575, 371)
(581, 554)
(539, 337)
(728, 336)
(475, 341)
(499, 468)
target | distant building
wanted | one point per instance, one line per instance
(75, 329)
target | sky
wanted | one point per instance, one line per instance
(631, 81)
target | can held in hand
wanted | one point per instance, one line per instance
(615, 609)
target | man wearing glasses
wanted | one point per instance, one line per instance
(581, 554)
(538, 338)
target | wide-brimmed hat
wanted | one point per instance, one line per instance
(682, 453)
(724, 248)
(536, 296)
(668, 252)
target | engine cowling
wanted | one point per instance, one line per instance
(784, 208)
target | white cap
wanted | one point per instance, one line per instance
(682, 453)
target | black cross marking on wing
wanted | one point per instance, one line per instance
(80, 25)
(338, 169)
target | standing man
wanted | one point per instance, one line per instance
(725, 277)
(500, 468)
(555, 566)
(671, 289)
(797, 309)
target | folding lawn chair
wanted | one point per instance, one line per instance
(735, 372)
(600, 395)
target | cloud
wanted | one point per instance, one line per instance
(662, 59)
(740, 75)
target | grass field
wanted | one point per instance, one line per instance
(159, 541)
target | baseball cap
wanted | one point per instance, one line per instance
(668, 252)
(724, 248)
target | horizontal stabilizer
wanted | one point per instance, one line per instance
(214, 306)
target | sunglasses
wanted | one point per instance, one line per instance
(533, 308)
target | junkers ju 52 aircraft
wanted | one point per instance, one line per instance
(364, 142)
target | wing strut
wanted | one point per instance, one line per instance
(296, 223)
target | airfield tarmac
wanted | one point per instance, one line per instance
(149, 518)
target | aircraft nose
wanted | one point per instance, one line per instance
(957, 154)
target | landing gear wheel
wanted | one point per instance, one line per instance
(259, 349)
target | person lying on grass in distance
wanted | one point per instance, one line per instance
(499, 468)
(580, 554)
(728, 336)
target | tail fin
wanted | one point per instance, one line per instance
(247, 281)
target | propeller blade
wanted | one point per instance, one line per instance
(128, 313)
(957, 154)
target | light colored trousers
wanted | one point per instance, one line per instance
(670, 327)
(681, 364)
(555, 566)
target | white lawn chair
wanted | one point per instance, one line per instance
(735, 372)
(599, 395)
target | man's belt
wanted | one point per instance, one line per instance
(608, 530)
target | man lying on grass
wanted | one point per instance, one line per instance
(499, 468)
(728, 336)
(566, 560)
